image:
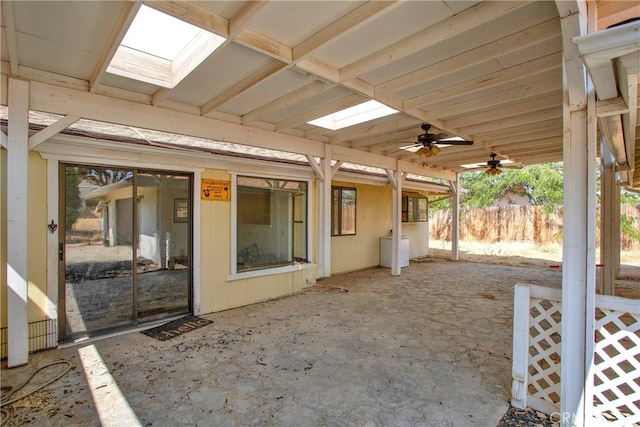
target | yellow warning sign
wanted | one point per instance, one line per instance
(213, 189)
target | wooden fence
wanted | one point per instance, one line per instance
(516, 223)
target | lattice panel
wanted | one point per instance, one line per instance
(544, 350)
(616, 367)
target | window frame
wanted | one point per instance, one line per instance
(414, 206)
(338, 220)
(266, 271)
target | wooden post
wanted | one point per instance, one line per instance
(616, 244)
(52, 251)
(520, 367)
(324, 235)
(17, 235)
(578, 269)
(195, 256)
(396, 238)
(455, 219)
(607, 218)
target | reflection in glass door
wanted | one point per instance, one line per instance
(100, 290)
(163, 272)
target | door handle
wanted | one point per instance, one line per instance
(60, 251)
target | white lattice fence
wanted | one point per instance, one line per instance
(536, 348)
(613, 381)
(614, 375)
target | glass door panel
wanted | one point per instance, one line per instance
(98, 249)
(163, 244)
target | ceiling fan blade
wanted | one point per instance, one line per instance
(453, 142)
(409, 146)
(406, 148)
(439, 136)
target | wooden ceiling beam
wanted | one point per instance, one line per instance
(453, 26)
(394, 138)
(348, 23)
(530, 89)
(356, 135)
(8, 14)
(288, 100)
(527, 106)
(190, 12)
(506, 133)
(57, 100)
(515, 121)
(521, 72)
(242, 18)
(250, 81)
(265, 45)
(524, 137)
(323, 110)
(127, 14)
(534, 146)
(489, 52)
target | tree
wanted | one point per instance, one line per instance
(541, 184)
(102, 176)
(72, 197)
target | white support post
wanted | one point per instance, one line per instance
(520, 366)
(616, 229)
(17, 236)
(324, 216)
(578, 268)
(455, 219)
(196, 221)
(396, 238)
(607, 218)
(52, 251)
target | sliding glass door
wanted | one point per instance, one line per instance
(125, 248)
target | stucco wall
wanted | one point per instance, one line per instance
(37, 237)
(418, 234)
(37, 234)
(374, 219)
(216, 292)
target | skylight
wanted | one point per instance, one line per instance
(354, 115)
(161, 50)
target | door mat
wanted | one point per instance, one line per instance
(177, 327)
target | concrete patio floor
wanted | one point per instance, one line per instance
(431, 347)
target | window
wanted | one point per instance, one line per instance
(414, 208)
(343, 211)
(271, 221)
(181, 210)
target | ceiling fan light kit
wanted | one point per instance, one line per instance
(426, 142)
(493, 165)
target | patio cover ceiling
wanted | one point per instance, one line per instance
(490, 72)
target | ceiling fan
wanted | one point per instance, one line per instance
(493, 165)
(427, 142)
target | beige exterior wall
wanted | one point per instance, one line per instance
(418, 234)
(216, 292)
(374, 219)
(37, 238)
(37, 234)
(3, 238)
